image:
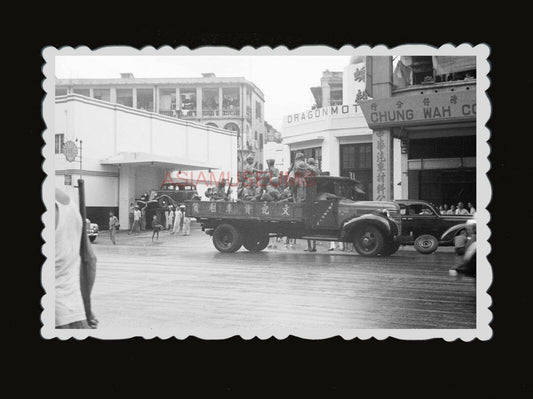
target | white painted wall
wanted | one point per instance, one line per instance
(107, 129)
(323, 128)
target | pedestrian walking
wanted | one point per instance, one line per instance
(75, 267)
(113, 226)
(130, 214)
(143, 219)
(186, 222)
(170, 217)
(136, 221)
(156, 227)
(177, 221)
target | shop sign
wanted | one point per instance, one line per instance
(420, 109)
(334, 111)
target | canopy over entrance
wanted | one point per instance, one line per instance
(143, 158)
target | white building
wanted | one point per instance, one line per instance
(127, 152)
(336, 135)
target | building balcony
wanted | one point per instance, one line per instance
(438, 87)
(230, 112)
(210, 112)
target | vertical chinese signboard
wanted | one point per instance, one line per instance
(382, 168)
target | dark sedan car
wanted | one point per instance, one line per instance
(425, 228)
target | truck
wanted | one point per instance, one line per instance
(330, 211)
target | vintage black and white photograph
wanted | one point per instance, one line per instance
(313, 192)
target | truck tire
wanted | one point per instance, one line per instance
(368, 241)
(390, 248)
(426, 244)
(256, 243)
(226, 238)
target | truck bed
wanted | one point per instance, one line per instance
(250, 210)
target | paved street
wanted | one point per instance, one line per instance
(185, 282)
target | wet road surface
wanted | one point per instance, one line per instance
(184, 282)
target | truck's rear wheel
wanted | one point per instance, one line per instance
(390, 248)
(226, 238)
(256, 243)
(368, 241)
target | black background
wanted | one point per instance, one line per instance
(430, 368)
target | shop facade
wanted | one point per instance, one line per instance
(434, 120)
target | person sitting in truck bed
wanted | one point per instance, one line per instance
(271, 192)
(219, 193)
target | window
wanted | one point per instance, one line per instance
(101, 94)
(167, 102)
(443, 147)
(356, 163)
(83, 92)
(258, 110)
(60, 140)
(188, 102)
(211, 124)
(61, 92)
(231, 101)
(145, 99)
(125, 97)
(210, 102)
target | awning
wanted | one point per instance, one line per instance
(143, 158)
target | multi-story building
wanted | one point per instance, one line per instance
(428, 104)
(231, 103)
(334, 131)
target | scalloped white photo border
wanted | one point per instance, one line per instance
(483, 331)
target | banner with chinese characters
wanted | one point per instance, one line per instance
(421, 109)
(245, 209)
(382, 165)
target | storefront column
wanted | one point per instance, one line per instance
(382, 163)
(113, 95)
(126, 194)
(199, 110)
(405, 174)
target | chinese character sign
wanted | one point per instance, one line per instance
(382, 169)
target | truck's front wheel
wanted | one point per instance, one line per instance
(226, 238)
(256, 243)
(368, 241)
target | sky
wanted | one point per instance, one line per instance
(284, 80)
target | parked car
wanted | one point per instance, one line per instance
(92, 230)
(425, 228)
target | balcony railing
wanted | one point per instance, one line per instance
(230, 112)
(210, 112)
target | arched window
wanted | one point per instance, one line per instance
(232, 126)
(211, 124)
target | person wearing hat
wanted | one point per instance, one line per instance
(249, 172)
(300, 169)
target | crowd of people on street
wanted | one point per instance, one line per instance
(460, 209)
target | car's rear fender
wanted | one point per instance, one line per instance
(450, 234)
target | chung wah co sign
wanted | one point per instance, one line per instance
(335, 111)
(420, 109)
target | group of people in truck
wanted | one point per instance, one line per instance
(271, 185)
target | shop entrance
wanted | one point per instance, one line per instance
(444, 186)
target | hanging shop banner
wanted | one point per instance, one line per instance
(420, 109)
